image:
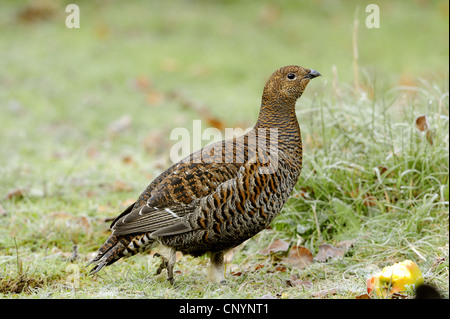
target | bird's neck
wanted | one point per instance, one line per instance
(278, 114)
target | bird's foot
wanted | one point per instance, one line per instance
(163, 265)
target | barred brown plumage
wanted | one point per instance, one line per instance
(223, 194)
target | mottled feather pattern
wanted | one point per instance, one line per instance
(223, 194)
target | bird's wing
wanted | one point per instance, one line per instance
(241, 194)
(179, 190)
(149, 218)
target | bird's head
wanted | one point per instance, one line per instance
(288, 83)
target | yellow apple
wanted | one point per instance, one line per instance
(394, 279)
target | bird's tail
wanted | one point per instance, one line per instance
(117, 247)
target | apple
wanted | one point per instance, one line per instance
(394, 279)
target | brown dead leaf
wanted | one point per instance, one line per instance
(91, 193)
(102, 30)
(299, 257)
(16, 193)
(422, 123)
(302, 193)
(259, 266)
(269, 14)
(354, 193)
(276, 246)
(346, 244)
(327, 251)
(127, 159)
(325, 293)
(280, 268)
(369, 200)
(363, 296)
(214, 122)
(121, 186)
(382, 169)
(142, 83)
(154, 97)
(294, 281)
(37, 11)
(423, 126)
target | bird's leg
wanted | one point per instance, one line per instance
(216, 269)
(170, 264)
(163, 263)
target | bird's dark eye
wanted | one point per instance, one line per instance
(291, 76)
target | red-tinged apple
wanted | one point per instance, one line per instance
(395, 279)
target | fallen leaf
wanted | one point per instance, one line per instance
(327, 251)
(142, 83)
(258, 266)
(382, 169)
(299, 257)
(294, 281)
(276, 246)
(324, 293)
(423, 126)
(363, 296)
(127, 160)
(346, 244)
(354, 193)
(154, 97)
(214, 122)
(121, 186)
(16, 193)
(269, 14)
(91, 193)
(422, 123)
(369, 200)
(37, 11)
(280, 268)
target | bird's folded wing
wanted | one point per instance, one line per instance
(149, 219)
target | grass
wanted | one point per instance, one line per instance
(86, 116)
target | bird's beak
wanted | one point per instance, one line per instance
(312, 74)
